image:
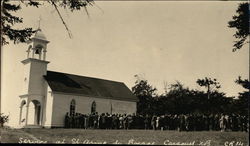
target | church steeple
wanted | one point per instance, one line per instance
(38, 46)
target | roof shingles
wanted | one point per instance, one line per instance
(100, 88)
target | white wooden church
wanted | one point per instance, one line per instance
(48, 95)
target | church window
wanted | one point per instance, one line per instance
(93, 107)
(72, 107)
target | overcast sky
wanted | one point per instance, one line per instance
(161, 41)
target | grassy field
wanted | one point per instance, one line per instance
(213, 138)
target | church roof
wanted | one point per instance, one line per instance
(40, 35)
(88, 86)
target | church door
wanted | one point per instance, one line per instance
(34, 113)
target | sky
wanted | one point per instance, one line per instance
(161, 41)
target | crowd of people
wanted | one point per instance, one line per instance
(182, 122)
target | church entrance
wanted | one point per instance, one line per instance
(34, 113)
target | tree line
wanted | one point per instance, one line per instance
(183, 100)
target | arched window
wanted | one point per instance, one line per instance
(38, 49)
(93, 107)
(72, 107)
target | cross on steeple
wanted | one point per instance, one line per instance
(39, 22)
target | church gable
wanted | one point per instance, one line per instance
(81, 85)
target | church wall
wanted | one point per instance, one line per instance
(123, 107)
(38, 69)
(26, 79)
(61, 106)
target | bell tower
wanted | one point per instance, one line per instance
(32, 99)
(38, 47)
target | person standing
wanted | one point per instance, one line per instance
(73, 121)
(146, 122)
(87, 121)
(181, 123)
(66, 121)
(216, 122)
(187, 122)
(153, 122)
(157, 123)
(95, 120)
(103, 121)
(222, 123)
(125, 120)
(81, 121)
(120, 121)
(77, 118)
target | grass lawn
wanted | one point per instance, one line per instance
(213, 138)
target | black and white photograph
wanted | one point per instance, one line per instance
(129, 72)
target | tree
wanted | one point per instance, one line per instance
(241, 23)
(179, 99)
(3, 119)
(8, 19)
(145, 93)
(244, 83)
(208, 83)
(243, 100)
